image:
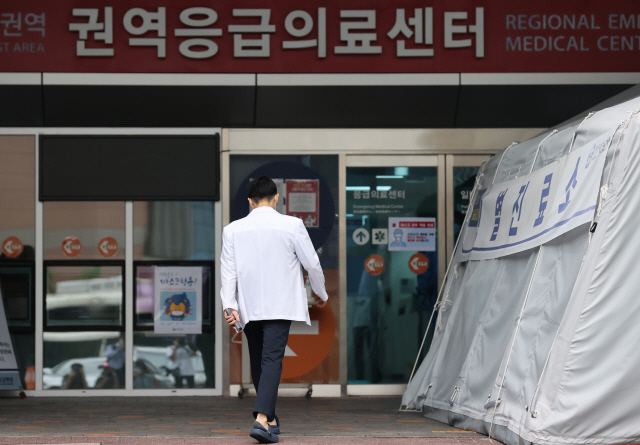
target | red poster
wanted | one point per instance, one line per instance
(303, 200)
(346, 36)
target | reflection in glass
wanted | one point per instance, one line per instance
(174, 230)
(92, 223)
(83, 295)
(81, 360)
(388, 311)
(176, 362)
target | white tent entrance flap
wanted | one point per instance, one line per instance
(531, 210)
(537, 330)
(9, 377)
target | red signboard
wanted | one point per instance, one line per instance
(346, 36)
(303, 200)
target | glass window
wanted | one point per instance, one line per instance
(84, 230)
(162, 361)
(464, 179)
(173, 230)
(83, 360)
(86, 295)
(16, 288)
(18, 197)
(392, 268)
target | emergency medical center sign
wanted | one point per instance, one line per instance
(526, 212)
(177, 300)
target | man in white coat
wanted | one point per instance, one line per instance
(262, 285)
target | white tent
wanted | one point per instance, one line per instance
(537, 333)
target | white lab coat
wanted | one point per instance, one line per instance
(261, 271)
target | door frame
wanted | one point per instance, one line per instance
(346, 161)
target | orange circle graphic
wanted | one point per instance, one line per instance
(71, 246)
(12, 247)
(418, 263)
(108, 246)
(374, 264)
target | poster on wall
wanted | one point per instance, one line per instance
(303, 200)
(9, 376)
(178, 300)
(417, 234)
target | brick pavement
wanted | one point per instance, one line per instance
(217, 420)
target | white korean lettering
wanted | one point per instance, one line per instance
(478, 29)
(261, 47)
(101, 31)
(358, 42)
(320, 42)
(151, 21)
(199, 28)
(12, 24)
(35, 19)
(422, 22)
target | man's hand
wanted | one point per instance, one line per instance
(233, 318)
(321, 303)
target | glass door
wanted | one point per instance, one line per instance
(460, 179)
(394, 220)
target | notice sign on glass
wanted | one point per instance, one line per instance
(178, 300)
(9, 377)
(417, 234)
(303, 200)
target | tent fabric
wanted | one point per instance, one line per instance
(539, 346)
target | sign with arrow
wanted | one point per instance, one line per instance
(361, 236)
(108, 246)
(71, 246)
(418, 263)
(12, 247)
(374, 264)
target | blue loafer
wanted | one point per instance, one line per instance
(259, 433)
(275, 429)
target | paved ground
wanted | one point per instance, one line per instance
(217, 420)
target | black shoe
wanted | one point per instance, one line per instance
(275, 429)
(262, 435)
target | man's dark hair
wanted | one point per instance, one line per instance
(262, 188)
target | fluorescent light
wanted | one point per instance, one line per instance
(402, 171)
(389, 176)
(383, 188)
(358, 188)
(349, 214)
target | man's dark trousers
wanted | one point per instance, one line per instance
(267, 340)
